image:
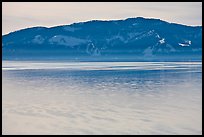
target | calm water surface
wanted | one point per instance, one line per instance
(102, 97)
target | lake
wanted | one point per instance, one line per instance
(44, 97)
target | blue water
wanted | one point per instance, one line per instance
(102, 97)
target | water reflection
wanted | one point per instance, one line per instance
(160, 99)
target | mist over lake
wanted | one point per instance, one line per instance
(42, 97)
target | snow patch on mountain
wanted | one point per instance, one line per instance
(146, 34)
(186, 43)
(92, 50)
(183, 45)
(157, 35)
(38, 39)
(134, 24)
(66, 40)
(162, 41)
(134, 34)
(116, 37)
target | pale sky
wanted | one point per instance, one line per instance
(19, 15)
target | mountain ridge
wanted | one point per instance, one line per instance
(102, 21)
(134, 38)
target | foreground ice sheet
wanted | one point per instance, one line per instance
(102, 97)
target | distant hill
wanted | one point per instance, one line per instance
(132, 39)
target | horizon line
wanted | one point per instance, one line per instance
(85, 21)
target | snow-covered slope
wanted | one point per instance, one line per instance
(130, 39)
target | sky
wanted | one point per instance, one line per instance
(19, 15)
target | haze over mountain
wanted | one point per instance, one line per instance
(132, 39)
